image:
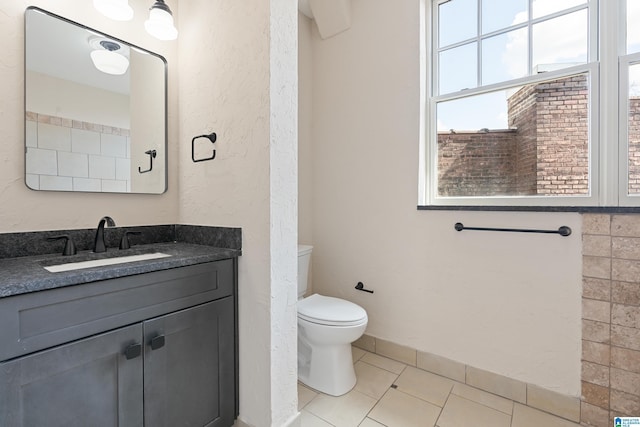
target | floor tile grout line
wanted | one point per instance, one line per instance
(487, 392)
(442, 408)
(480, 404)
(373, 407)
(513, 412)
(404, 365)
(322, 418)
(380, 367)
(319, 417)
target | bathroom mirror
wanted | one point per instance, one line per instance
(95, 110)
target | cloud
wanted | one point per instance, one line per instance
(442, 126)
(634, 80)
(561, 40)
(633, 31)
(633, 41)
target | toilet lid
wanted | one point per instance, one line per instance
(330, 311)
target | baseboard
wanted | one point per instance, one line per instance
(240, 423)
(295, 421)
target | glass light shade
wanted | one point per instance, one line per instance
(118, 10)
(160, 25)
(109, 62)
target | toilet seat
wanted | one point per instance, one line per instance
(331, 311)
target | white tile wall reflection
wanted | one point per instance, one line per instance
(65, 155)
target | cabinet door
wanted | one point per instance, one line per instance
(90, 382)
(189, 367)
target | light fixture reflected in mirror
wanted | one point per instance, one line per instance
(108, 60)
(118, 10)
(160, 23)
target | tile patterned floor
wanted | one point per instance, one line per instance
(392, 394)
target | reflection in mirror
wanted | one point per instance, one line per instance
(95, 105)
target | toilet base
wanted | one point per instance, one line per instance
(328, 369)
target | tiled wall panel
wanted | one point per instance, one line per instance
(610, 318)
(68, 155)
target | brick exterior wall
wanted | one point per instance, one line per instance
(634, 145)
(523, 117)
(563, 136)
(546, 153)
(476, 164)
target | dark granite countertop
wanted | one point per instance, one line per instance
(27, 274)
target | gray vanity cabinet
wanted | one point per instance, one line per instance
(188, 377)
(88, 382)
(156, 349)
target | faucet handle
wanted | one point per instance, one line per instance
(124, 242)
(69, 246)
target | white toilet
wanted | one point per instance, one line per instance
(326, 328)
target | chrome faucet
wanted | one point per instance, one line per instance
(98, 245)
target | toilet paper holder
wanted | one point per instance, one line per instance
(360, 287)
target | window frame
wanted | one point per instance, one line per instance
(607, 161)
(624, 197)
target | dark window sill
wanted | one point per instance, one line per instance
(580, 209)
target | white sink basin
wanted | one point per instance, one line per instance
(102, 262)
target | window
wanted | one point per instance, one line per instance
(630, 104)
(522, 109)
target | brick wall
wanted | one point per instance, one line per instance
(476, 164)
(563, 136)
(610, 318)
(544, 152)
(634, 146)
(523, 117)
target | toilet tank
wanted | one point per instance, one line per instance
(304, 258)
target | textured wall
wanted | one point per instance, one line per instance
(238, 79)
(503, 302)
(284, 210)
(27, 210)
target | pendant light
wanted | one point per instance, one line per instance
(160, 22)
(118, 10)
(108, 60)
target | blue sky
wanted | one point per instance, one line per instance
(561, 41)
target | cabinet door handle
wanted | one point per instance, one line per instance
(157, 342)
(133, 351)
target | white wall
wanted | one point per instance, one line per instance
(26, 210)
(238, 64)
(305, 116)
(503, 302)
